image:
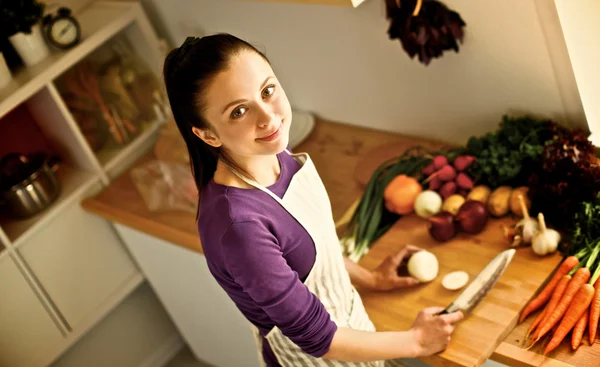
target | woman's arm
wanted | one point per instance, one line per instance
(385, 276)
(364, 346)
(428, 335)
(359, 275)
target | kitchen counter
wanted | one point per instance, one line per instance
(335, 149)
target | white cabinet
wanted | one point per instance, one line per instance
(63, 270)
(579, 26)
(208, 320)
(26, 329)
(79, 261)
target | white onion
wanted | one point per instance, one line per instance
(428, 203)
(455, 280)
(423, 265)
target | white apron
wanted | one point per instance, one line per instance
(307, 201)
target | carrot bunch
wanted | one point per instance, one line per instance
(571, 301)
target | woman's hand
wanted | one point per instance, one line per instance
(431, 332)
(385, 276)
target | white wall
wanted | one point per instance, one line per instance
(579, 21)
(339, 62)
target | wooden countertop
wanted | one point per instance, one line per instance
(335, 149)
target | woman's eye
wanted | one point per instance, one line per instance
(238, 112)
(268, 91)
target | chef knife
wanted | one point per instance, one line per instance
(482, 284)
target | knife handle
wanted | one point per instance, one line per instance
(445, 312)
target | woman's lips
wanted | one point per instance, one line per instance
(274, 135)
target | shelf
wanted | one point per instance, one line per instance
(73, 182)
(99, 22)
(113, 154)
(352, 3)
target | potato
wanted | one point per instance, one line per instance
(480, 193)
(499, 202)
(515, 206)
(453, 203)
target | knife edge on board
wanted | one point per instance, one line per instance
(482, 284)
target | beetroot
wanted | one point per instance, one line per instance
(464, 182)
(463, 162)
(428, 171)
(435, 184)
(446, 173)
(448, 189)
(439, 161)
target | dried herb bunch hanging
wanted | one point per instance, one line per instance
(425, 28)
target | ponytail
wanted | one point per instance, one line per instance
(203, 157)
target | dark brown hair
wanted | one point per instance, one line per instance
(188, 72)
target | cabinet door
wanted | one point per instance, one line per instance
(208, 320)
(80, 262)
(27, 332)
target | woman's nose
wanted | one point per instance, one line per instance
(265, 117)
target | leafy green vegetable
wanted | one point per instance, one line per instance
(568, 174)
(584, 229)
(504, 157)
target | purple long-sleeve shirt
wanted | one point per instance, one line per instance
(260, 255)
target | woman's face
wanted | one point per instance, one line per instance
(247, 108)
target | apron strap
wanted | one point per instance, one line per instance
(255, 184)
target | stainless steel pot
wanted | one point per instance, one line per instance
(28, 184)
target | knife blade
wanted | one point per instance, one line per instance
(482, 284)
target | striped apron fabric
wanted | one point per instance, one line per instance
(307, 201)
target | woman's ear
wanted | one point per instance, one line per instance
(208, 136)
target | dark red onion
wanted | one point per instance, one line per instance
(442, 227)
(472, 216)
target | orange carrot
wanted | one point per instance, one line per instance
(579, 279)
(594, 313)
(579, 306)
(556, 296)
(543, 297)
(537, 320)
(579, 330)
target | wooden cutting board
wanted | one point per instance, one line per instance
(489, 323)
(369, 162)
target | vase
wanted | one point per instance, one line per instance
(31, 47)
(5, 75)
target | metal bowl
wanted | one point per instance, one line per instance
(29, 185)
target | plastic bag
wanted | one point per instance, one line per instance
(166, 186)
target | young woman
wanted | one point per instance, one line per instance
(265, 219)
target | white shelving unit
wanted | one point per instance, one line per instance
(73, 182)
(67, 268)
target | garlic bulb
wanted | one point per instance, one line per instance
(545, 240)
(527, 227)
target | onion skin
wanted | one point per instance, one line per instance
(442, 227)
(472, 217)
